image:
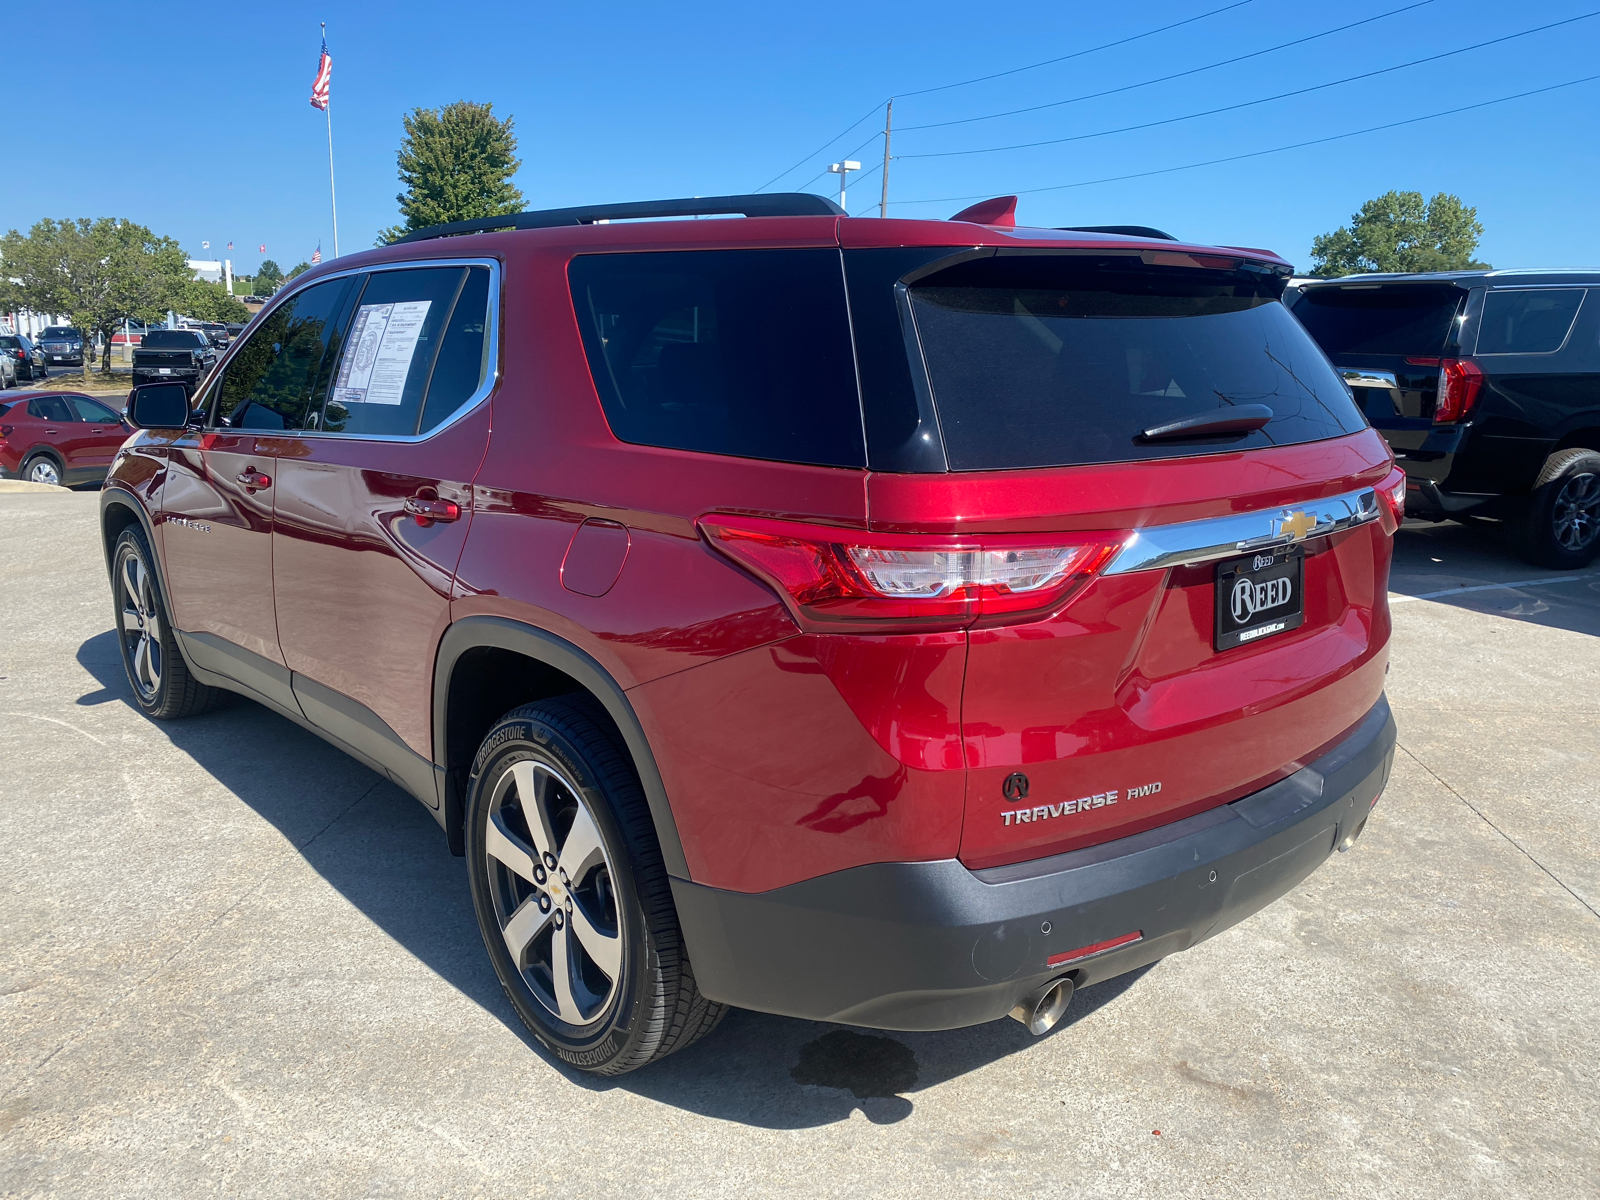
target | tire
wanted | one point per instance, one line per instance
(1560, 526)
(43, 468)
(162, 685)
(559, 840)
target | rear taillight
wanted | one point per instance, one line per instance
(837, 576)
(5, 430)
(1460, 381)
(1392, 491)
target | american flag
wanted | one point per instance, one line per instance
(230, 245)
(316, 255)
(319, 89)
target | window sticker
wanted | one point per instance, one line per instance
(382, 343)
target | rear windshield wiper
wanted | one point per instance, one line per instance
(1242, 418)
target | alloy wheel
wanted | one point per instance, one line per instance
(1575, 515)
(141, 625)
(551, 880)
(44, 470)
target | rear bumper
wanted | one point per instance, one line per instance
(932, 945)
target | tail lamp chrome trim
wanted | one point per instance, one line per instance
(1189, 543)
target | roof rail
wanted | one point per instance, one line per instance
(777, 204)
(1144, 231)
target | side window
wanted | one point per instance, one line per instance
(268, 381)
(50, 408)
(392, 350)
(743, 352)
(1536, 321)
(464, 355)
(93, 411)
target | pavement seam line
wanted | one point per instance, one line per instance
(1511, 584)
(201, 932)
(1498, 830)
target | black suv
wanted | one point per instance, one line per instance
(1487, 386)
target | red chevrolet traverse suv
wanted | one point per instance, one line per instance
(898, 623)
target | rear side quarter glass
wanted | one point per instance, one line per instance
(1534, 321)
(738, 352)
(463, 363)
(1054, 361)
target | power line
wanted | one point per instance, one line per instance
(943, 87)
(1227, 62)
(1211, 162)
(964, 83)
(846, 154)
(1211, 112)
(870, 112)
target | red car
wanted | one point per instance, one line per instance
(899, 623)
(58, 437)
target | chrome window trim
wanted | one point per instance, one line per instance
(469, 406)
(1190, 543)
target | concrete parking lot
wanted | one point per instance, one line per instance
(235, 962)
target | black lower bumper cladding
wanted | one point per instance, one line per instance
(933, 945)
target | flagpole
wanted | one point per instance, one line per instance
(333, 195)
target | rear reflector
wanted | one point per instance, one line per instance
(1071, 956)
(1393, 491)
(832, 576)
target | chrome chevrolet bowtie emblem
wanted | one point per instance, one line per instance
(1296, 524)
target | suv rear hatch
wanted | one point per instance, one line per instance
(1164, 405)
(1390, 343)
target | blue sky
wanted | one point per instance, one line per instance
(201, 128)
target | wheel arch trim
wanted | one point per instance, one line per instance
(485, 632)
(116, 496)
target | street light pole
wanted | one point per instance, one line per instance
(842, 170)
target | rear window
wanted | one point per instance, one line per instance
(10, 343)
(172, 339)
(1410, 319)
(1536, 321)
(1055, 361)
(741, 352)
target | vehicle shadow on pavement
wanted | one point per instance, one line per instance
(385, 854)
(1460, 566)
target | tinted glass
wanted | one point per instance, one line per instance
(173, 339)
(268, 381)
(93, 410)
(464, 356)
(389, 351)
(50, 408)
(1412, 319)
(743, 352)
(59, 331)
(1531, 322)
(7, 342)
(1046, 362)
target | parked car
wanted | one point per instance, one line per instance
(217, 332)
(8, 371)
(1487, 386)
(899, 623)
(58, 437)
(234, 330)
(182, 355)
(27, 359)
(62, 344)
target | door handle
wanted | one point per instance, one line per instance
(427, 510)
(253, 480)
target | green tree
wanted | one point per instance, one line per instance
(456, 163)
(268, 276)
(1401, 232)
(97, 271)
(298, 269)
(210, 302)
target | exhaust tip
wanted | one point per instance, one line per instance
(1042, 1009)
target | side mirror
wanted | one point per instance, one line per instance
(159, 406)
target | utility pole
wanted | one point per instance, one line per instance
(842, 170)
(888, 116)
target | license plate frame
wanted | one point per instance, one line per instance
(1265, 615)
